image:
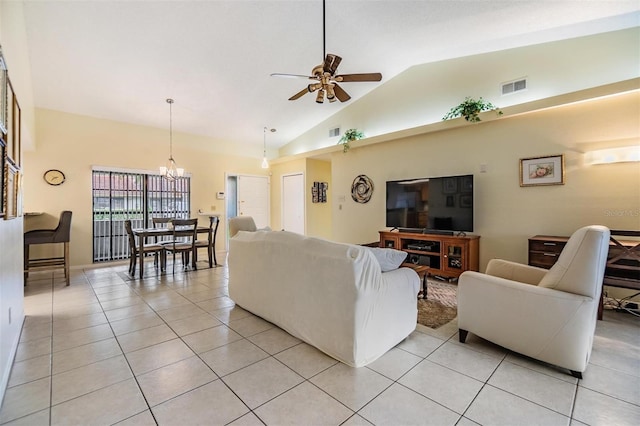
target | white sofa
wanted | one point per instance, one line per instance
(331, 295)
(549, 315)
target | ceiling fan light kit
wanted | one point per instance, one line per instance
(325, 74)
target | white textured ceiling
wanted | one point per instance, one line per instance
(120, 60)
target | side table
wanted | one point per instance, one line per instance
(423, 272)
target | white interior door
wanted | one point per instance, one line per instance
(253, 198)
(293, 203)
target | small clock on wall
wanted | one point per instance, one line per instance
(54, 177)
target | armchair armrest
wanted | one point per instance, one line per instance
(515, 271)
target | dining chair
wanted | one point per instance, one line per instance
(184, 237)
(158, 251)
(161, 222)
(61, 234)
(209, 243)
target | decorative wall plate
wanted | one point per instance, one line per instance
(362, 189)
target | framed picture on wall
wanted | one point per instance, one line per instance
(2, 163)
(542, 171)
(19, 194)
(11, 191)
(9, 123)
(15, 132)
(3, 94)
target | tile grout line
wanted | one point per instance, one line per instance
(135, 377)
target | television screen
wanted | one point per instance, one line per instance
(440, 203)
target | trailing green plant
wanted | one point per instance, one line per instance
(350, 136)
(470, 108)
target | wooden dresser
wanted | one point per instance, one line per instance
(544, 250)
(623, 261)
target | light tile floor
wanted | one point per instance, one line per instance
(174, 350)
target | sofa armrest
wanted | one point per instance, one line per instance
(515, 271)
(403, 276)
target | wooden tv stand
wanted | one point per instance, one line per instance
(444, 256)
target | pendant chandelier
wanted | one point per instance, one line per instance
(171, 171)
(265, 163)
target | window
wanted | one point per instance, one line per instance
(138, 196)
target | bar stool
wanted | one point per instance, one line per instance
(49, 236)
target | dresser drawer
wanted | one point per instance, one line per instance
(544, 250)
(546, 246)
(543, 260)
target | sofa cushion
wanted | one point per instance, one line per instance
(388, 258)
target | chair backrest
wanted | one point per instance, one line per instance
(62, 233)
(132, 239)
(581, 264)
(185, 229)
(161, 221)
(212, 220)
(241, 223)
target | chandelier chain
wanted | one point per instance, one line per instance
(170, 102)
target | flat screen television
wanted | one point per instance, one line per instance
(431, 204)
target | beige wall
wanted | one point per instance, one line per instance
(74, 144)
(13, 41)
(318, 214)
(506, 215)
(423, 94)
(278, 170)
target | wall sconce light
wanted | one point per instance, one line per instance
(625, 154)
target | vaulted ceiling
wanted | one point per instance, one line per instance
(120, 60)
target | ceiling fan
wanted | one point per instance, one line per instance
(325, 75)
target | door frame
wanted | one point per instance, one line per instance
(227, 175)
(304, 198)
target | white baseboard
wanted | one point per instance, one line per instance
(6, 370)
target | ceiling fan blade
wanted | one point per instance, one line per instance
(340, 93)
(277, 74)
(299, 94)
(331, 63)
(373, 76)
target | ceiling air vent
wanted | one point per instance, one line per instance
(334, 132)
(514, 86)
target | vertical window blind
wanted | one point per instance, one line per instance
(137, 196)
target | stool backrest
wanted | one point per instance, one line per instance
(62, 233)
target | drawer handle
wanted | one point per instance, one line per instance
(549, 244)
(550, 254)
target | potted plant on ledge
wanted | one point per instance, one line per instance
(470, 109)
(348, 137)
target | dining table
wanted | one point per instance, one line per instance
(143, 233)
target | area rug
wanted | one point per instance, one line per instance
(440, 307)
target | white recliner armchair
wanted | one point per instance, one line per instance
(549, 315)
